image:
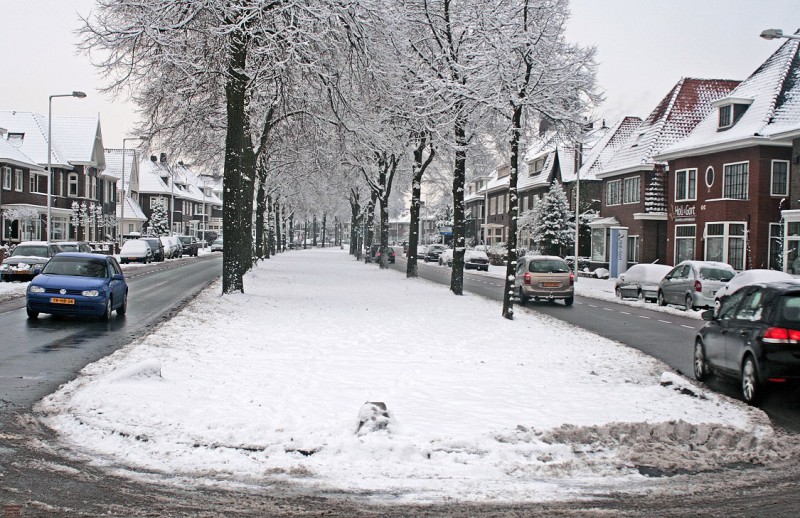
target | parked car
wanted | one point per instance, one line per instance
(27, 259)
(135, 251)
(641, 281)
(217, 245)
(190, 245)
(76, 246)
(544, 277)
(77, 283)
(433, 252)
(375, 253)
(754, 339)
(476, 259)
(693, 284)
(159, 254)
(745, 278)
(446, 257)
(172, 246)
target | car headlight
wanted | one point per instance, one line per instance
(4, 267)
(36, 289)
(90, 293)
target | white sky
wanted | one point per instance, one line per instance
(645, 47)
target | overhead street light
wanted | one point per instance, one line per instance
(79, 95)
(124, 197)
(771, 34)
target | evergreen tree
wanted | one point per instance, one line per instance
(553, 230)
(159, 220)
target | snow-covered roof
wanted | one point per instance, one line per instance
(688, 103)
(75, 140)
(773, 95)
(132, 210)
(9, 154)
(150, 177)
(611, 141)
(114, 167)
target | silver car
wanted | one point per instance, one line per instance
(544, 277)
(693, 284)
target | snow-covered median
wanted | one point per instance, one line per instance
(269, 385)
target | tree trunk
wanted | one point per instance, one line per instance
(314, 231)
(459, 177)
(324, 227)
(261, 209)
(278, 234)
(305, 234)
(418, 170)
(513, 204)
(355, 209)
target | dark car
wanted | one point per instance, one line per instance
(190, 245)
(375, 253)
(27, 259)
(159, 254)
(74, 283)
(76, 246)
(433, 252)
(755, 339)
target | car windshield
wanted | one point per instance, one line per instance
(185, 240)
(549, 266)
(788, 309)
(69, 247)
(716, 274)
(76, 266)
(30, 251)
(134, 246)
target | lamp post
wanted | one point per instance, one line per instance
(771, 34)
(79, 95)
(124, 197)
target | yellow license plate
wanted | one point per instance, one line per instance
(57, 300)
(23, 272)
(551, 284)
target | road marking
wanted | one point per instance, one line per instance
(591, 305)
(665, 321)
(642, 316)
(687, 327)
(624, 312)
(608, 309)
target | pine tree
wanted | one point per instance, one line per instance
(553, 230)
(159, 220)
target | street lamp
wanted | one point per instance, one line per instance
(124, 197)
(771, 34)
(79, 95)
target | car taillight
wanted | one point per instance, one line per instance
(781, 335)
(571, 279)
(527, 277)
(698, 287)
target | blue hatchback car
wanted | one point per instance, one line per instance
(74, 283)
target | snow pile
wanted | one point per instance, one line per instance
(271, 385)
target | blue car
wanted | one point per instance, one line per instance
(75, 283)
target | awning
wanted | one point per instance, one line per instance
(604, 222)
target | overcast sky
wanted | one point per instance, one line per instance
(644, 48)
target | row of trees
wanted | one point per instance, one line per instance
(333, 106)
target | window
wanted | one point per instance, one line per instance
(38, 183)
(725, 116)
(780, 178)
(686, 185)
(684, 242)
(493, 206)
(775, 246)
(725, 243)
(18, 179)
(709, 176)
(59, 187)
(94, 188)
(632, 190)
(87, 187)
(501, 205)
(72, 185)
(6, 178)
(735, 180)
(537, 166)
(633, 249)
(614, 192)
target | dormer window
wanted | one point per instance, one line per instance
(638, 139)
(730, 110)
(537, 166)
(726, 116)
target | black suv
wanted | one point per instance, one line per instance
(754, 339)
(190, 245)
(157, 246)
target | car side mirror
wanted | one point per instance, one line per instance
(37, 271)
(708, 315)
(118, 277)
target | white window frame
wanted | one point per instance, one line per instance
(627, 190)
(633, 249)
(691, 179)
(727, 122)
(727, 238)
(34, 182)
(536, 166)
(19, 180)
(725, 182)
(775, 244)
(613, 187)
(709, 176)
(6, 178)
(772, 178)
(677, 238)
(72, 181)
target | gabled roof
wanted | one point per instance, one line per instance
(596, 158)
(688, 103)
(773, 93)
(114, 167)
(132, 210)
(150, 177)
(75, 140)
(10, 155)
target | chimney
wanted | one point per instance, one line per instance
(153, 158)
(163, 158)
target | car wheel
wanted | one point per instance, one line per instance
(640, 296)
(568, 301)
(523, 299)
(124, 307)
(700, 367)
(688, 303)
(107, 313)
(618, 292)
(660, 299)
(751, 389)
(33, 315)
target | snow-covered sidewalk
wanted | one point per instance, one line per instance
(268, 385)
